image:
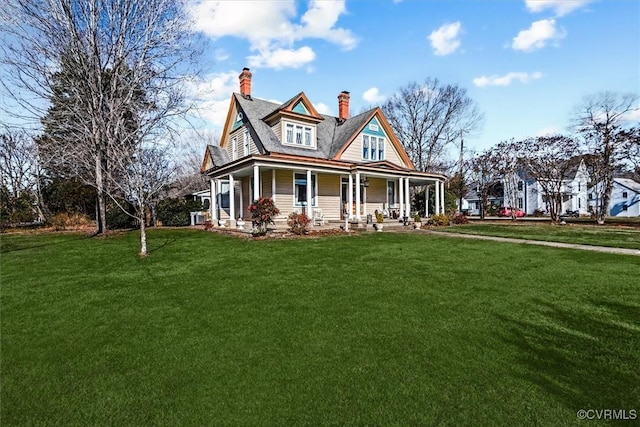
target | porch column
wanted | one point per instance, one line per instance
(442, 209)
(401, 191)
(256, 182)
(426, 201)
(408, 197)
(213, 205)
(309, 196)
(437, 199)
(358, 196)
(350, 197)
(232, 200)
(241, 210)
(273, 185)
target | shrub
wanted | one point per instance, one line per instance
(439, 220)
(62, 221)
(174, 212)
(538, 213)
(117, 219)
(417, 218)
(459, 218)
(262, 212)
(298, 223)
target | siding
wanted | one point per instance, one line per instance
(329, 195)
(376, 195)
(284, 192)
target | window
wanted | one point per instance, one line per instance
(307, 136)
(520, 203)
(579, 187)
(365, 147)
(295, 134)
(372, 147)
(391, 193)
(224, 195)
(246, 142)
(234, 148)
(289, 133)
(590, 196)
(579, 203)
(625, 195)
(624, 207)
(298, 134)
(300, 187)
(519, 185)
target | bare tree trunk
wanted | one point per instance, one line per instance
(101, 214)
(143, 235)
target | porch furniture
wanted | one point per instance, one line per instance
(318, 217)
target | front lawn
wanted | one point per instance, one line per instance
(612, 236)
(375, 329)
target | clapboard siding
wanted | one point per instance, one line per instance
(329, 195)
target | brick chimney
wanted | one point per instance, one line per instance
(245, 83)
(343, 105)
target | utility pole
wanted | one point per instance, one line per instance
(461, 184)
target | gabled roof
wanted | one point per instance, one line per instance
(629, 183)
(289, 108)
(216, 155)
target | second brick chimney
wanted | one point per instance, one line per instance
(245, 83)
(343, 105)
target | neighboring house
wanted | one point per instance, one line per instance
(574, 188)
(341, 167)
(204, 197)
(471, 202)
(625, 198)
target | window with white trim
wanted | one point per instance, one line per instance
(234, 148)
(391, 193)
(300, 189)
(245, 140)
(299, 135)
(372, 147)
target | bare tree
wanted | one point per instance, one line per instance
(601, 120)
(144, 175)
(428, 117)
(548, 160)
(485, 176)
(113, 71)
(507, 157)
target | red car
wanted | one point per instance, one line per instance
(506, 211)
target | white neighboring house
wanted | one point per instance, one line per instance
(625, 198)
(204, 197)
(574, 188)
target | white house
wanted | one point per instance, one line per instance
(574, 189)
(625, 198)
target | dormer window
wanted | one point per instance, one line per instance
(300, 135)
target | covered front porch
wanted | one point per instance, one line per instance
(328, 190)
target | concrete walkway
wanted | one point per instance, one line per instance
(621, 251)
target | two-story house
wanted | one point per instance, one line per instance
(343, 167)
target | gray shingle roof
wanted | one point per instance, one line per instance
(219, 155)
(331, 133)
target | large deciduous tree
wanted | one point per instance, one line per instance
(603, 120)
(485, 178)
(112, 72)
(548, 160)
(428, 117)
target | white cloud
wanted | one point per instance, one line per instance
(507, 79)
(445, 39)
(560, 7)
(211, 94)
(271, 27)
(282, 58)
(632, 117)
(537, 36)
(323, 109)
(372, 96)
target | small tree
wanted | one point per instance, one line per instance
(262, 212)
(486, 178)
(507, 158)
(298, 223)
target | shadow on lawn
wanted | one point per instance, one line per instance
(586, 357)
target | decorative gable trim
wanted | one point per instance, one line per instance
(386, 127)
(229, 121)
(299, 107)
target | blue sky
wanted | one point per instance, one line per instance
(526, 63)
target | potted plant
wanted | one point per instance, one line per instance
(417, 221)
(222, 222)
(379, 220)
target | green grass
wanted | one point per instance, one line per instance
(618, 237)
(376, 329)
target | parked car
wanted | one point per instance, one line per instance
(507, 211)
